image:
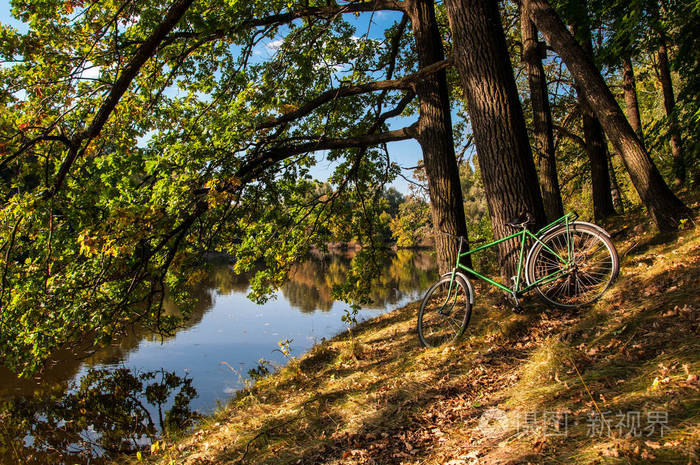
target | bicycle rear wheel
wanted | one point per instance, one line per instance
(591, 265)
(444, 313)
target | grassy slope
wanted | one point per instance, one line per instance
(379, 398)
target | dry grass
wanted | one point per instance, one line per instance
(379, 398)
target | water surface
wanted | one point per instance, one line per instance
(226, 336)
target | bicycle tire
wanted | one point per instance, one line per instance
(442, 321)
(596, 265)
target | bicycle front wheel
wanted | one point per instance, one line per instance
(588, 265)
(444, 313)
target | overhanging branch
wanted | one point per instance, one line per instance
(324, 12)
(56, 138)
(407, 82)
(252, 168)
(81, 141)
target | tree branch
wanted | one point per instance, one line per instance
(144, 52)
(325, 12)
(250, 169)
(393, 112)
(406, 82)
(395, 44)
(565, 132)
(277, 19)
(32, 143)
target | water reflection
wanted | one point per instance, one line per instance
(311, 283)
(225, 336)
(108, 413)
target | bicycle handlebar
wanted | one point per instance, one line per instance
(452, 235)
(472, 241)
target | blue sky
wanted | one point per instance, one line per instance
(6, 17)
(405, 153)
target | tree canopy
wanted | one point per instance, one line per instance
(137, 136)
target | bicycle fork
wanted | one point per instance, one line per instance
(452, 280)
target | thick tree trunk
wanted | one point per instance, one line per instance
(533, 52)
(629, 88)
(507, 169)
(435, 137)
(596, 145)
(598, 159)
(665, 208)
(669, 104)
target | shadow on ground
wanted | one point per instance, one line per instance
(376, 397)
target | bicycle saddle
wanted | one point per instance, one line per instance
(525, 218)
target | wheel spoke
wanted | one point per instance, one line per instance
(592, 266)
(436, 327)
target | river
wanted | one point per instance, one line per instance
(86, 406)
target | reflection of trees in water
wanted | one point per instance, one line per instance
(423, 260)
(407, 271)
(108, 413)
(47, 396)
(311, 283)
(223, 280)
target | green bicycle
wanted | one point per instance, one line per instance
(570, 264)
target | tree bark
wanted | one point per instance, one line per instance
(598, 159)
(533, 52)
(434, 134)
(669, 104)
(507, 169)
(596, 145)
(665, 208)
(615, 191)
(629, 88)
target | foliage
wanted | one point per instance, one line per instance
(413, 224)
(475, 208)
(194, 157)
(635, 29)
(261, 370)
(121, 165)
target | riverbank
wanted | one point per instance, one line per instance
(613, 383)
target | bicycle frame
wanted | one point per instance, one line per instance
(524, 234)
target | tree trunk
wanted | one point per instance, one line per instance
(507, 169)
(435, 137)
(629, 88)
(533, 52)
(669, 104)
(615, 191)
(596, 145)
(598, 159)
(665, 208)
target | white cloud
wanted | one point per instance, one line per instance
(275, 44)
(90, 71)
